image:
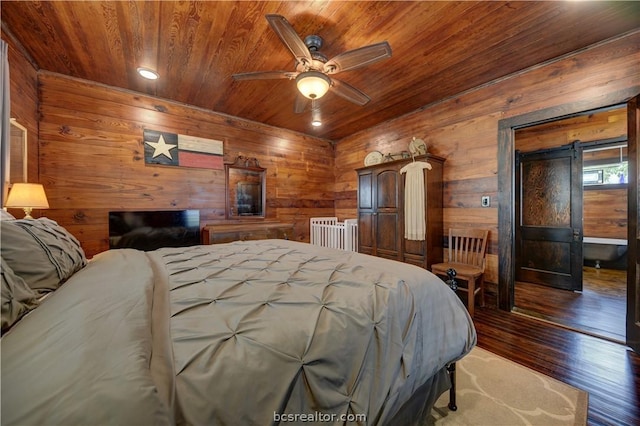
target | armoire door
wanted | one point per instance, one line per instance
(389, 222)
(366, 213)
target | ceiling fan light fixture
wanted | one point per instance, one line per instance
(313, 84)
(148, 73)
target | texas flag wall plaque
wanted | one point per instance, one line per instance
(170, 149)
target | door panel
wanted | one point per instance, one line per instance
(365, 232)
(387, 236)
(365, 191)
(633, 264)
(387, 220)
(387, 190)
(365, 213)
(549, 217)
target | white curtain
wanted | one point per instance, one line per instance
(5, 114)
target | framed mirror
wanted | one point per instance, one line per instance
(18, 153)
(246, 189)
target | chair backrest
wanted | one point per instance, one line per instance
(468, 246)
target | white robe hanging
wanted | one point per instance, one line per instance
(415, 227)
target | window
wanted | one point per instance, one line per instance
(605, 165)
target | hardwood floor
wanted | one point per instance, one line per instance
(609, 371)
(600, 309)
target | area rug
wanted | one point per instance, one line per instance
(495, 391)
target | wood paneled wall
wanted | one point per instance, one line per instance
(464, 130)
(601, 125)
(605, 213)
(92, 160)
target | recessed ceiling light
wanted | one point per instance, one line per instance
(148, 73)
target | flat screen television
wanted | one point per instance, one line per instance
(150, 230)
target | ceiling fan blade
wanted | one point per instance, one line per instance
(265, 75)
(348, 92)
(357, 58)
(300, 103)
(290, 38)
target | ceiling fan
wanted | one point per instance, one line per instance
(313, 69)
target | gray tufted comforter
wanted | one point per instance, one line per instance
(246, 333)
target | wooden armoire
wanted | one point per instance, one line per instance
(381, 213)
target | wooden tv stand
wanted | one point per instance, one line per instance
(226, 233)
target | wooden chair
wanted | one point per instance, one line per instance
(466, 255)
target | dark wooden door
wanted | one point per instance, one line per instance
(549, 217)
(633, 264)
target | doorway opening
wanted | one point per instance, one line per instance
(594, 211)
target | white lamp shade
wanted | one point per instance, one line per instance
(313, 84)
(27, 195)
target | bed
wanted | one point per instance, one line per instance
(252, 333)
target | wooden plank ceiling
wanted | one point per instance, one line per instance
(439, 49)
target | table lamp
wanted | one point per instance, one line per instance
(27, 196)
